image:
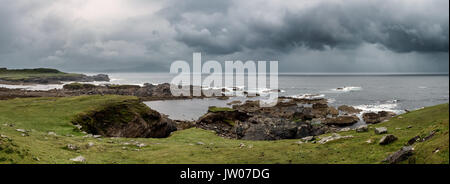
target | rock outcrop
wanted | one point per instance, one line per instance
(341, 120)
(401, 155)
(387, 139)
(289, 119)
(373, 118)
(349, 109)
(125, 119)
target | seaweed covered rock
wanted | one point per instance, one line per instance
(129, 118)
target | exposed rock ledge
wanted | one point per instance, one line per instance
(125, 119)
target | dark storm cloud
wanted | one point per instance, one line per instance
(400, 27)
(305, 36)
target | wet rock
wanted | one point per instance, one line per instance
(362, 128)
(373, 118)
(349, 109)
(387, 139)
(400, 155)
(341, 120)
(380, 130)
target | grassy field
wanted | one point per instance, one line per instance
(22, 74)
(42, 115)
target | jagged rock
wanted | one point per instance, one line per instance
(400, 155)
(362, 128)
(387, 139)
(373, 118)
(79, 159)
(413, 140)
(380, 130)
(349, 109)
(341, 120)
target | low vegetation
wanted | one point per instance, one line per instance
(219, 109)
(24, 74)
(39, 130)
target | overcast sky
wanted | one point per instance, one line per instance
(304, 36)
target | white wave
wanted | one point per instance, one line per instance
(389, 107)
(40, 87)
(331, 100)
(308, 96)
(347, 89)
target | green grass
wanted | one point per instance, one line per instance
(219, 109)
(41, 115)
(23, 74)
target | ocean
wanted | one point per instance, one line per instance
(375, 92)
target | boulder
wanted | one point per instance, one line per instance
(349, 109)
(341, 120)
(380, 130)
(400, 155)
(373, 118)
(362, 128)
(333, 111)
(387, 139)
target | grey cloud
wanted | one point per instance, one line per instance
(305, 36)
(326, 24)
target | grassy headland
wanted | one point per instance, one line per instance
(39, 116)
(24, 74)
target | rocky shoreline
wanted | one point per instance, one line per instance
(291, 118)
